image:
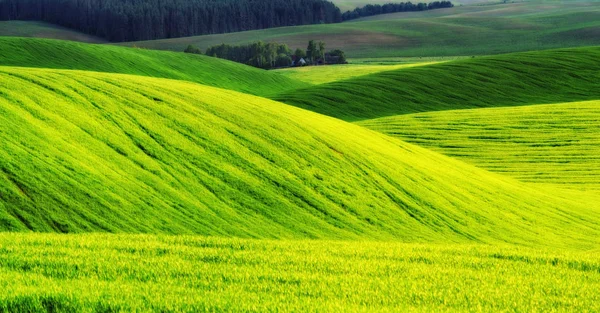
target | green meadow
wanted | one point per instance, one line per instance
(129, 273)
(434, 174)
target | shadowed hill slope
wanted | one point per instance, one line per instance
(56, 54)
(84, 152)
(508, 80)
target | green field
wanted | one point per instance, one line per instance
(44, 30)
(506, 80)
(552, 144)
(43, 53)
(422, 178)
(316, 75)
(146, 155)
(461, 31)
(123, 273)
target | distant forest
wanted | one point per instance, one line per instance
(133, 20)
(376, 9)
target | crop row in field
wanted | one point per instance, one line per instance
(556, 144)
(112, 273)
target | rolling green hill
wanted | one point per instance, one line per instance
(44, 30)
(83, 152)
(57, 54)
(540, 77)
(555, 144)
(461, 31)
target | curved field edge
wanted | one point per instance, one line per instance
(88, 152)
(551, 76)
(551, 144)
(58, 54)
(90, 273)
(316, 75)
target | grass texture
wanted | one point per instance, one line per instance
(316, 75)
(461, 31)
(133, 273)
(556, 144)
(58, 54)
(83, 152)
(540, 77)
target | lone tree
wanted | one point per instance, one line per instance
(300, 54)
(311, 51)
(321, 53)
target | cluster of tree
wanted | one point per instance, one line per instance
(274, 55)
(376, 9)
(131, 20)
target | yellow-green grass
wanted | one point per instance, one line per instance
(316, 75)
(460, 31)
(133, 273)
(526, 78)
(555, 144)
(88, 152)
(58, 54)
(44, 30)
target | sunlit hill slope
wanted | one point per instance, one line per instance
(104, 152)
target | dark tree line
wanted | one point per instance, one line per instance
(273, 55)
(131, 20)
(376, 9)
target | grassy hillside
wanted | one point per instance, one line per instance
(104, 152)
(460, 31)
(316, 75)
(558, 143)
(44, 30)
(507, 80)
(125, 273)
(42, 53)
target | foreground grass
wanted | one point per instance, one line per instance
(84, 152)
(58, 54)
(316, 75)
(113, 273)
(460, 31)
(557, 144)
(539, 77)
